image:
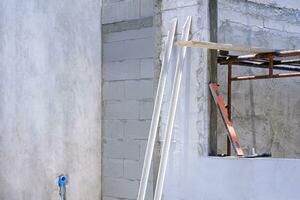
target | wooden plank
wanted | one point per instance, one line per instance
(223, 47)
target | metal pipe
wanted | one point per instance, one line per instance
(172, 112)
(62, 182)
(290, 53)
(265, 66)
(229, 87)
(271, 58)
(156, 112)
(242, 78)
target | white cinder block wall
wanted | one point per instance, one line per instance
(127, 95)
(127, 105)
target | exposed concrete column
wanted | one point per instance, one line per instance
(191, 130)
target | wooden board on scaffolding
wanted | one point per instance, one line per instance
(223, 47)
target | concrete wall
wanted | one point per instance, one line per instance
(274, 115)
(127, 94)
(127, 109)
(126, 10)
(248, 179)
(128, 53)
(50, 70)
(294, 4)
(192, 118)
(266, 113)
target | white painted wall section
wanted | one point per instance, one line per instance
(247, 179)
(50, 98)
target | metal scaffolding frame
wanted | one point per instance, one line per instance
(288, 61)
(276, 60)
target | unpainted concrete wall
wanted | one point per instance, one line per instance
(266, 113)
(237, 24)
(294, 4)
(190, 133)
(50, 108)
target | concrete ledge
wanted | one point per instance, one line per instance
(247, 179)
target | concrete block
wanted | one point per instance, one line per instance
(113, 168)
(113, 129)
(292, 28)
(147, 68)
(120, 188)
(143, 145)
(113, 51)
(173, 4)
(146, 109)
(137, 129)
(272, 24)
(109, 198)
(110, 1)
(120, 11)
(128, 109)
(132, 170)
(121, 149)
(279, 3)
(121, 70)
(138, 89)
(113, 90)
(139, 48)
(147, 8)
(241, 18)
(193, 11)
(128, 35)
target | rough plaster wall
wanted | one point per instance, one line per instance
(266, 113)
(127, 104)
(294, 4)
(189, 175)
(50, 59)
(191, 125)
